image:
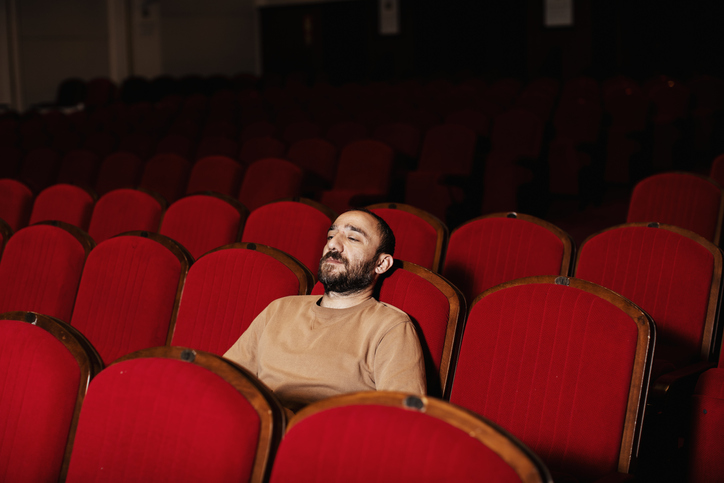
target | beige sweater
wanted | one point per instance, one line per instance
(305, 352)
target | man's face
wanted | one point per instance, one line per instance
(349, 258)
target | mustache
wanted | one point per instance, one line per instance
(334, 256)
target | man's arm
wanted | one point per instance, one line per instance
(399, 363)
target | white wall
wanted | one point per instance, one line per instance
(58, 40)
(209, 37)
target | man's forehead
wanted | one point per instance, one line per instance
(358, 221)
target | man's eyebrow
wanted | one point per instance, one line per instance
(351, 228)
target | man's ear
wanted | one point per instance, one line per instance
(384, 263)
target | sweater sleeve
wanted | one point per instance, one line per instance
(399, 364)
(245, 350)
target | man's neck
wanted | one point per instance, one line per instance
(335, 300)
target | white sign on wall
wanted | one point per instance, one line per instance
(558, 13)
(389, 17)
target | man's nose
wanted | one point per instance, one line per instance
(334, 243)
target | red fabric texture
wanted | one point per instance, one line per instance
(298, 131)
(167, 175)
(295, 228)
(258, 129)
(448, 148)
(39, 380)
(378, 443)
(40, 271)
(163, 420)
(126, 295)
(217, 146)
(16, 202)
(39, 168)
(119, 170)
(124, 210)
(224, 292)
(415, 238)
(259, 148)
(345, 132)
(176, 144)
(489, 251)
(216, 173)
(666, 274)
(268, 180)
(679, 199)
(404, 138)
(552, 365)
(63, 202)
(518, 132)
(706, 453)
(201, 223)
(717, 169)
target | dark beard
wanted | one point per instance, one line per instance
(347, 282)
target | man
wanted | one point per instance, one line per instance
(306, 348)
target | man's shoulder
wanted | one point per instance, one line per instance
(391, 311)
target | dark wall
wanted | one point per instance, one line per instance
(340, 39)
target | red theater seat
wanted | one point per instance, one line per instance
(167, 175)
(216, 173)
(16, 203)
(64, 202)
(124, 210)
(46, 367)
(118, 170)
(409, 438)
(173, 414)
(269, 180)
(227, 288)
(562, 364)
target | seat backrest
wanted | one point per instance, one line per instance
(227, 288)
(671, 273)
(408, 438)
(176, 144)
(79, 167)
(204, 221)
(46, 368)
(716, 171)
(563, 365)
(269, 180)
(217, 146)
(41, 268)
(5, 233)
(16, 203)
(420, 237)
(298, 227)
(704, 442)
(123, 210)
(517, 131)
(118, 170)
(681, 199)
(39, 168)
(216, 173)
(297, 131)
(496, 248)
(436, 307)
(173, 414)
(63, 202)
(129, 292)
(345, 132)
(403, 137)
(166, 174)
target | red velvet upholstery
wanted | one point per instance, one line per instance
(717, 170)
(124, 210)
(216, 173)
(175, 144)
(40, 386)
(448, 149)
(127, 294)
(63, 202)
(706, 445)
(269, 180)
(203, 222)
(5, 233)
(668, 274)
(167, 175)
(681, 199)
(386, 441)
(16, 202)
(138, 143)
(318, 158)
(226, 289)
(554, 364)
(494, 249)
(419, 237)
(102, 143)
(299, 229)
(364, 170)
(164, 419)
(119, 170)
(40, 270)
(79, 167)
(255, 149)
